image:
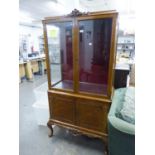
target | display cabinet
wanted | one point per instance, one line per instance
(80, 53)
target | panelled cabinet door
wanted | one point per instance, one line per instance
(62, 108)
(91, 114)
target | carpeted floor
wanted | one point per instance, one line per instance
(34, 139)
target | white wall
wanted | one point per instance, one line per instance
(33, 35)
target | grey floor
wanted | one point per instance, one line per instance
(34, 139)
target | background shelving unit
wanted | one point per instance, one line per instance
(41, 45)
(126, 44)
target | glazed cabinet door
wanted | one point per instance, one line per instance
(62, 108)
(60, 54)
(92, 114)
(94, 55)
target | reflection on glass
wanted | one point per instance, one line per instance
(94, 45)
(60, 54)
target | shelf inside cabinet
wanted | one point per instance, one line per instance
(93, 88)
(65, 84)
(84, 87)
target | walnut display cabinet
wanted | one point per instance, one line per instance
(80, 55)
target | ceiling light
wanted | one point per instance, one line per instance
(55, 1)
(57, 7)
(25, 17)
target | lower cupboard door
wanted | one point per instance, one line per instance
(92, 114)
(62, 109)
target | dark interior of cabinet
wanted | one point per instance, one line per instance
(94, 45)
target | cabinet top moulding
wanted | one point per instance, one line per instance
(77, 13)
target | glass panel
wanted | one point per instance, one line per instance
(94, 45)
(60, 54)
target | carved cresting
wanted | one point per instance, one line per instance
(76, 13)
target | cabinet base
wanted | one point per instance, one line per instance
(79, 130)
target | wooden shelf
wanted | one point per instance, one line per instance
(66, 84)
(93, 88)
(83, 87)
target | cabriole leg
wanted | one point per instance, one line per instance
(105, 140)
(49, 124)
